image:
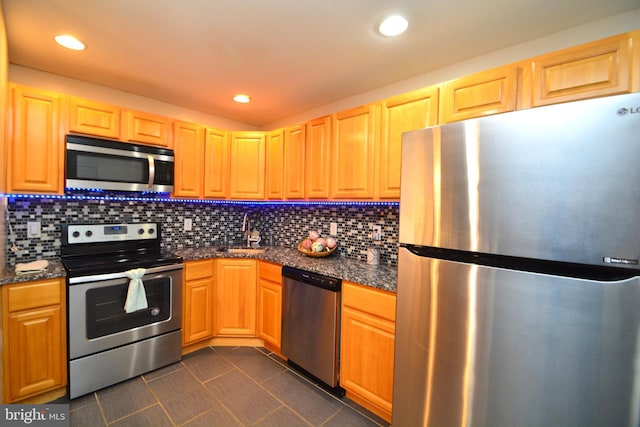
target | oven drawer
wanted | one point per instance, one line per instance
(35, 294)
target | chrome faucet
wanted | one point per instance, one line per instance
(246, 229)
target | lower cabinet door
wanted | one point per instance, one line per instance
(197, 323)
(270, 313)
(366, 365)
(235, 298)
(367, 347)
(35, 352)
(270, 304)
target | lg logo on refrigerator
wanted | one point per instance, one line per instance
(624, 111)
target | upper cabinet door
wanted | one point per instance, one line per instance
(294, 171)
(189, 161)
(93, 118)
(411, 111)
(147, 128)
(600, 68)
(216, 163)
(318, 158)
(34, 150)
(353, 153)
(480, 94)
(247, 165)
(275, 165)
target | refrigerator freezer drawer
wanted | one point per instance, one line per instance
(483, 346)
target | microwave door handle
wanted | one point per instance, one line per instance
(152, 171)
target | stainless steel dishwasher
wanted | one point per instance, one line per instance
(311, 325)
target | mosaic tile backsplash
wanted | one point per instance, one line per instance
(213, 224)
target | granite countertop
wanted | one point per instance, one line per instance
(54, 270)
(377, 276)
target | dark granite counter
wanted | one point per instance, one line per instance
(377, 276)
(53, 270)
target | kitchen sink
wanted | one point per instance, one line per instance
(239, 250)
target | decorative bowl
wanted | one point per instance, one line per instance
(317, 254)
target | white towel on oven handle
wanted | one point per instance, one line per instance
(136, 294)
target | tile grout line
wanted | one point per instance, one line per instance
(210, 393)
(342, 402)
(288, 369)
(159, 403)
(282, 403)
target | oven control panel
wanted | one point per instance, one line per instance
(95, 233)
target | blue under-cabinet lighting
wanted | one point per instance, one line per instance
(165, 197)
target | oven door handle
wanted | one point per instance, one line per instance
(120, 275)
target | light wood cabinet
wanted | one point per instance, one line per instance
(4, 102)
(216, 163)
(189, 160)
(317, 163)
(411, 111)
(235, 297)
(34, 338)
(367, 347)
(247, 165)
(601, 68)
(489, 92)
(353, 149)
(294, 161)
(275, 165)
(197, 301)
(146, 128)
(93, 118)
(34, 147)
(270, 304)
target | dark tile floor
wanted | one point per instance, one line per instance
(219, 386)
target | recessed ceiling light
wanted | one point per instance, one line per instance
(70, 42)
(393, 25)
(243, 99)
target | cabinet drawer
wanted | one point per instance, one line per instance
(369, 300)
(271, 272)
(35, 294)
(198, 269)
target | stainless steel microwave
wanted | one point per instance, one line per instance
(93, 163)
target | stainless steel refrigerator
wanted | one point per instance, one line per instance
(518, 298)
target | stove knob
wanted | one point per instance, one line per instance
(141, 231)
(88, 233)
(76, 234)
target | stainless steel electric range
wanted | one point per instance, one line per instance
(108, 343)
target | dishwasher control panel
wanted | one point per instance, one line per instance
(315, 279)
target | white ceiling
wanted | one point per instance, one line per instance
(290, 56)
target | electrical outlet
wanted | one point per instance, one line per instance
(377, 233)
(188, 224)
(333, 229)
(34, 229)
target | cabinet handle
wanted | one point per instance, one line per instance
(152, 170)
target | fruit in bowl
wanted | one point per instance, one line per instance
(306, 244)
(316, 245)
